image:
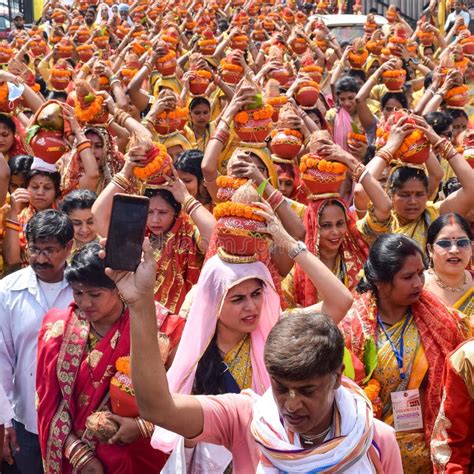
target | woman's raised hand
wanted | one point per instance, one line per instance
(19, 199)
(281, 238)
(138, 285)
(426, 128)
(134, 158)
(243, 96)
(176, 187)
(398, 133)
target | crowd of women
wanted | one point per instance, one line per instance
(289, 175)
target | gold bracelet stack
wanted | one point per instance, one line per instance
(122, 182)
(79, 454)
(145, 427)
(121, 117)
(84, 145)
(190, 204)
(221, 135)
(357, 172)
(445, 149)
(13, 225)
(386, 155)
(148, 123)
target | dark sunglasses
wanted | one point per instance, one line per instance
(459, 243)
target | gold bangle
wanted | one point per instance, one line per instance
(222, 119)
(84, 460)
(68, 451)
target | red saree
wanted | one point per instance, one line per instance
(440, 332)
(72, 383)
(353, 251)
(178, 264)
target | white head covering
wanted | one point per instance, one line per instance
(216, 279)
(104, 6)
(41, 165)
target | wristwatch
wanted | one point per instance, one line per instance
(297, 249)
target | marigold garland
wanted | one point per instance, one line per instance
(275, 101)
(88, 114)
(225, 66)
(409, 141)
(263, 113)
(461, 64)
(397, 40)
(240, 39)
(361, 137)
(103, 81)
(3, 92)
(309, 83)
(99, 39)
(66, 48)
(170, 39)
(288, 131)
(122, 365)
(207, 42)
(167, 57)
(236, 209)
(230, 182)
(138, 48)
(460, 90)
(372, 389)
(203, 73)
(396, 73)
(128, 72)
(178, 113)
(358, 58)
(470, 39)
(154, 166)
(374, 45)
(309, 162)
(56, 72)
(85, 47)
(312, 68)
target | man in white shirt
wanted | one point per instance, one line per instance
(25, 297)
(458, 12)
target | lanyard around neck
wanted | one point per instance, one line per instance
(398, 353)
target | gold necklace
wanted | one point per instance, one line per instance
(455, 289)
(310, 439)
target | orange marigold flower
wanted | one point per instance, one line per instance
(88, 114)
(122, 364)
(230, 182)
(167, 57)
(178, 113)
(236, 209)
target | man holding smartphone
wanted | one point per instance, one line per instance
(25, 297)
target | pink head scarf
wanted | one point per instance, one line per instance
(216, 279)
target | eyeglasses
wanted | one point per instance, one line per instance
(47, 252)
(446, 244)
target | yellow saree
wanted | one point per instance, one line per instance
(417, 229)
(465, 304)
(239, 363)
(415, 453)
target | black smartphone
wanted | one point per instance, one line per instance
(126, 232)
